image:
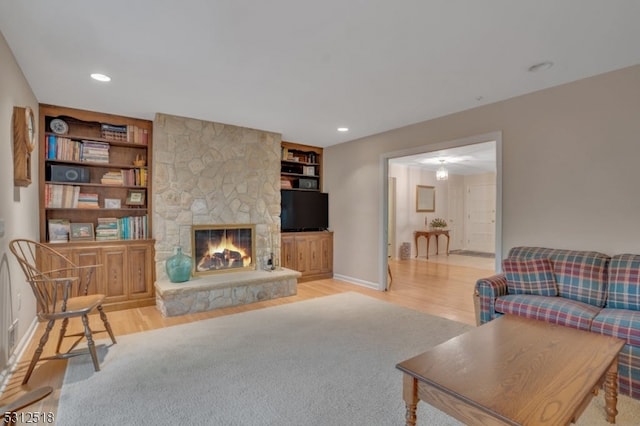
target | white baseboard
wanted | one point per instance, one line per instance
(357, 281)
(10, 368)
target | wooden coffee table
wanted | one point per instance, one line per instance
(514, 371)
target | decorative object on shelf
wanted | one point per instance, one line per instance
(81, 232)
(438, 224)
(442, 173)
(139, 161)
(58, 126)
(112, 203)
(135, 197)
(58, 230)
(24, 142)
(179, 266)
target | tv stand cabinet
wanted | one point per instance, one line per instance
(310, 253)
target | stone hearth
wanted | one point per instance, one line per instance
(209, 292)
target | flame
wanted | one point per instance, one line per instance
(224, 255)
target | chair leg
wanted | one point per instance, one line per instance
(90, 343)
(63, 332)
(107, 326)
(38, 353)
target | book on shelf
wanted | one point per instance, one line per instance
(126, 177)
(125, 133)
(87, 200)
(95, 152)
(107, 229)
(61, 148)
(133, 227)
(61, 196)
(113, 178)
(137, 135)
(58, 230)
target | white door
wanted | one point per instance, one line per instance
(481, 218)
(456, 215)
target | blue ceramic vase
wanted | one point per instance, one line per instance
(179, 267)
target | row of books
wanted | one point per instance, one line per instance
(60, 148)
(126, 177)
(108, 228)
(124, 228)
(68, 196)
(125, 133)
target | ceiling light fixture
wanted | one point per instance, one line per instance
(540, 66)
(343, 129)
(100, 77)
(442, 173)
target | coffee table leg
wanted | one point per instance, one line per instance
(410, 396)
(611, 391)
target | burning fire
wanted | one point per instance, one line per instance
(224, 255)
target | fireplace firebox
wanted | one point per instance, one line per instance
(223, 248)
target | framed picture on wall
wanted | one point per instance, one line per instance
(425, 198)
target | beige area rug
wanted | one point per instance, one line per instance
(326, 361)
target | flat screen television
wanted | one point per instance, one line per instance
(304, 211)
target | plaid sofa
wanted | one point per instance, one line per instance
(596, 292)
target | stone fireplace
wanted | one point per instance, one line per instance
(214, 174)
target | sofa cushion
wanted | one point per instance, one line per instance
(621, 323)
(556, 310)
(530, 276)
(580, 275)
(624, 282)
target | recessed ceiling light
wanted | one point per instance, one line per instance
(100, 77)
(343, 129)
(540, 66)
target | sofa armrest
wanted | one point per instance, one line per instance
(486, 292)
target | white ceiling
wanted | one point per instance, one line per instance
(464, 160)
(302, 67)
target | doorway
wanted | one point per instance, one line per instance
(469, 200)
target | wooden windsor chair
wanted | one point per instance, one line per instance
(61, 294)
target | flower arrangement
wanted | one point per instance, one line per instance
(438, 223)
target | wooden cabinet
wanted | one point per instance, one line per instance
(310, 253)
(301, 167)
(124, 274)
(95, 181)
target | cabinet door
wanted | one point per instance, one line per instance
(88, 257)
(115, 263)
(314, 249)
(46, 262)
(288, 256)
(140, 275)
(302, 254)
(326, 256)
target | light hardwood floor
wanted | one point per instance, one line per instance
(441, 286)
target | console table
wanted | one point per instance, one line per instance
(428, 235)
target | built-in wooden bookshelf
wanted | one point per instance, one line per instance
(301, 167)
(310, 253)
(95, 180)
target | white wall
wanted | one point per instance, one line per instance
(18, 206)
(569, 171)
(407, 219)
